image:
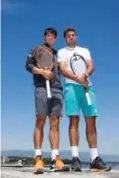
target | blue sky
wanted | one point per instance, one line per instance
(23, 24)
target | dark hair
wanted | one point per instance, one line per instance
(50, 30)
(69, 30)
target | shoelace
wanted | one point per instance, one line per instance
(37, 158)
(76, 160)
(58, 159)
(100, 160)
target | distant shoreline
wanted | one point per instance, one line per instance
(65, 155)
(47, 160)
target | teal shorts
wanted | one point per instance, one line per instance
(75, 100)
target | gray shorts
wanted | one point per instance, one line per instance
(45, 107)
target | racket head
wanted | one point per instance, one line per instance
(78, 64)
(45, 58)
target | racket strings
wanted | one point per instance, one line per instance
(79, 66)
(45, 59)
(44, 48)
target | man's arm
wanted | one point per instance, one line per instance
(65, 72)
(31, 66)
(63, 68)
(31, 62)
(90, 66)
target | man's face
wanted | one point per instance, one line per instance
(50, 38)
(70, 38)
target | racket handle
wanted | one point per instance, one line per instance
(48, 89)
(88, 98)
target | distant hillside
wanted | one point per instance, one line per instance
(84, 156)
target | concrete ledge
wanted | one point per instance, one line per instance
(27, 173)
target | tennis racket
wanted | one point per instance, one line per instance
(45, 60)
(79, 66)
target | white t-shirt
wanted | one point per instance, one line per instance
(66, 53)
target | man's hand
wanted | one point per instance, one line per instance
(82, 80)
(85, 83)
(47, 74)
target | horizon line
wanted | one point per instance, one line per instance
(48, 151)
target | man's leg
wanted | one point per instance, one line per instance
(90, 113)
(54, 136)
(41, 113)
(91, 135)
(74, 135)
(38, 135)
(55, 110)
(72, 106)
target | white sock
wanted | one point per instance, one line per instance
(38, 152)
(94, 153)
(74, 150)
(54, 152)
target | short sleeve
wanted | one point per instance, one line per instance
(87, 55)
(60, 56)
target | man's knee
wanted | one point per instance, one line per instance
(90, 125)
(74, 123)
(40, 121)
(54, 123)
(91, 129)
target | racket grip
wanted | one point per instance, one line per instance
(48, 89)
(88, 98)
